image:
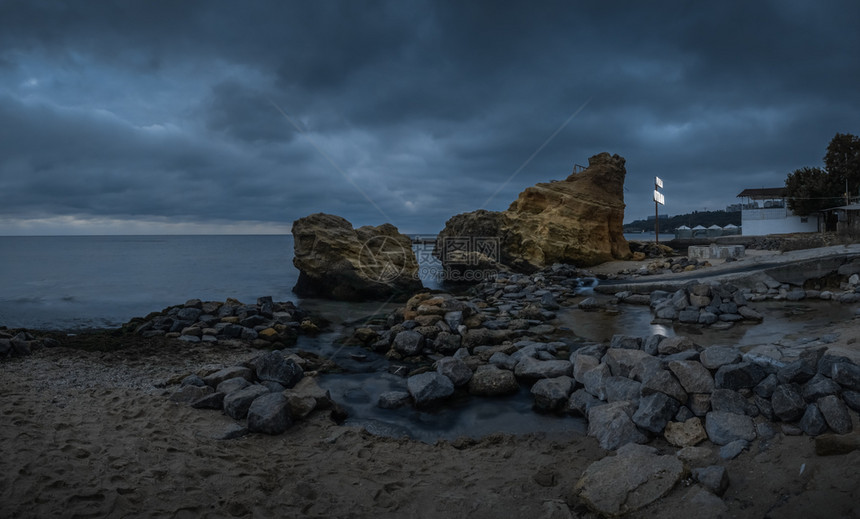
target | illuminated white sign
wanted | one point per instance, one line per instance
(658, 197)
(658, 182)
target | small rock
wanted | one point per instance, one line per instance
(685, 434)
(455, 369)
(714, 478)
(236, 404)
(429, 388)
(787, 403)
(552, 394)
(393, 399)
(731, 450)
(813, 422)
(724, 428)
(612, 426)
(835, 414)
(269, 414)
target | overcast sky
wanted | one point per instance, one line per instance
(151, 117)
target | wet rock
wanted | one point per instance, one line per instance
(455, 369)
(612, 426)
(652, 343)
(530, 368)
(765, 388)
(718, 356)
(622, 388)
(552, 394)
(846, 374)
(227, 373)
(408, 342)
(733, 449)
(594, 380)
(429, 388)
(269, 414)
(693, 376)
(236, 404)
(724, 428)
(796, 372)
(728, 400)
(625, 342)
(622, 361)
(813, 422)
(447, 342)
(232, 384)
(714, 478)
(852, 399)
(655, 411)
(635, 477)
(664, 381)
(677, 344)
(739, 376)
(788, 405)
(581, 401)
(685, 434)
(819, 386)
(273, 367)
(835, 414)
(492, 381)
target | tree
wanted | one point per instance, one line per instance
(842, 162)
(813, 189)
(809, 190)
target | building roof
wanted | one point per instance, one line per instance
(852, 207)
(763, 193)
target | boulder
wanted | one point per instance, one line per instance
(393, 399)
(581, 401)
(819, 386)
(685, 434)
(273, 367)
(552, 394)
(739, 376)
(813, 422)
(408, 342)
(664, 381)
(269, 414)
(635, 477)
(836, 414)
(454, 369)
(492, 381)
(575, 221)
(714, 478)
(846, 374)
(232, 384)
(336, 261)
(677, 344)
(788, 405)
(724, 428)
(227, 373)
(655, 411)
(692, 375)
(612, 426)
(236, 404)
(718, 356)
(622, 388)
(429, 388)
(729, 400)
(531, 368)
(622, 361)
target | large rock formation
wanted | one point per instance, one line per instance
(577, 221)
(336, 261)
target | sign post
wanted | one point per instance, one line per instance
(658, 200)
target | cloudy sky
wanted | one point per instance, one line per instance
(151, 117)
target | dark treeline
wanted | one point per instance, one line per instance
(703, 218)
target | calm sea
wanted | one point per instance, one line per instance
(78, 282)
(71, 282)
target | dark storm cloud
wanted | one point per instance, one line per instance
(265, 112)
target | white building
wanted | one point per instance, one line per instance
(766, 212)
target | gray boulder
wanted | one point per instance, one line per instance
(846, 374)
(552, 394)
(852, 399)
(492, 381)
(729, 400)
(622, 361)
(531, 368)
(429, 388)
(227, 373)
(625, 342)
(714, 478)
(819, 386)
(739, 376)
(813, 422)
(273, 367)
(236, 404)
(652, 343)
(232, 384)
(663, 381)
(612, 426)
(594, 380)
(677, 344)
(693, 376)
(835, 414)
(788, 405)
(724, 428)
(635, 477)
(408, 342)
(622, 388)
(718, 356)
(766, 387)
(455, 369)
(269, 414)
(655, 411)
(581, 401)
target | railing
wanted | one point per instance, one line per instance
(773, 213)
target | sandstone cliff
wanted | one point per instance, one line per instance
(336, 261)
(577, 220)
